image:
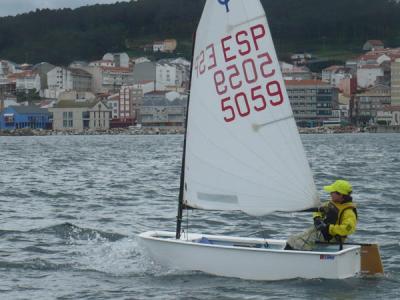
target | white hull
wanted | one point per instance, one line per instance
(240, 257)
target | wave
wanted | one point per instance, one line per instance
(70, 231)
(35, 264)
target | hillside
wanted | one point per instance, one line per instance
(61, 36)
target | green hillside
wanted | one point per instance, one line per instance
(320, 26)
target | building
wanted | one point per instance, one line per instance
(42, 69)
(348, 86)
(18, 117)
(312, 101)
(113, 78)
(80, 116)
(27, 81)
(292, 72)
(158, 46)
(163, 109)
(373, 45)
(145, 71)
(395, 82)
(120, 60)
(67, 79)
(389, 116)
(129, 105)
(300, 58)
(368, 103)
(171, 75)
(76, 96)
(101, 63)
(6, 68)
(336, 74)
(170, 45)
(368, 75)
(113, 104)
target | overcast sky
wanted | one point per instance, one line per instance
(14, 7)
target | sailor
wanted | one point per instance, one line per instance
(333, 221)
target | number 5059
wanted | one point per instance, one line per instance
(242, 105)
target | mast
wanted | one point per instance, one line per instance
(181, 205)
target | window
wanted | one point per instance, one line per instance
(68, 119)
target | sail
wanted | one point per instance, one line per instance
(243, 149)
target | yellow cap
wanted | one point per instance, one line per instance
(341, 186)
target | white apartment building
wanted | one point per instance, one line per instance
(170, 76)
(67, 79)
(28, 80)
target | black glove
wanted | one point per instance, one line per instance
(322, 227)
(317, 222)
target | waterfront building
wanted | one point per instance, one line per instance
(313, 101)
(369, 102)
(163, 109)
(79, 116)
(389, 116)
(18, 117)
(128, 107)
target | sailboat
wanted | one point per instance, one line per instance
(242, 152)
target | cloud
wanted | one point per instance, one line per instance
(14, 7)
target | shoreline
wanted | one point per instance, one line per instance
(115, 131)
(167, 131)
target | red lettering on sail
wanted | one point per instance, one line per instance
(242, 41)
(257, 32)
(226, 48)
(213, 62)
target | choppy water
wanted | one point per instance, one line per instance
(71, 207)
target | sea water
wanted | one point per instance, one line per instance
(71, 208)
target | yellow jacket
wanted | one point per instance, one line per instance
(345, 215)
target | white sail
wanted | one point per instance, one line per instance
(243, 148)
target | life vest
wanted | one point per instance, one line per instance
(334, 212)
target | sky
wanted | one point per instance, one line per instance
(14, 7)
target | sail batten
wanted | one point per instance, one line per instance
(243, 150)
